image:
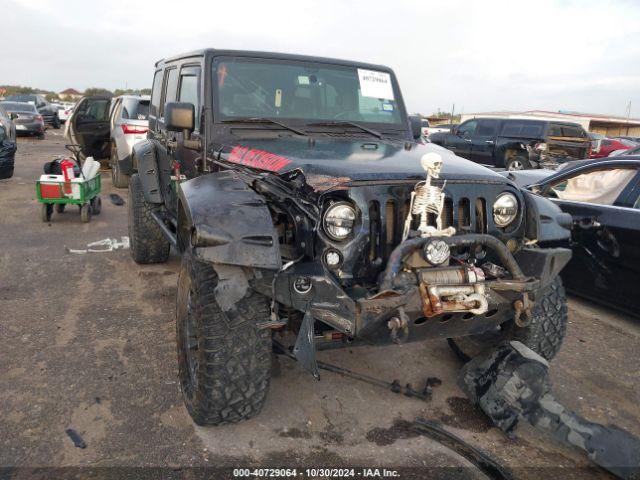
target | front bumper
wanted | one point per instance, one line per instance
(360, 315)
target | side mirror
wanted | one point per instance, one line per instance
(179, 117)
(416, 126)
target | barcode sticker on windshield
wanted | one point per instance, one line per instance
(375, 84)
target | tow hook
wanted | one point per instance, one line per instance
(399, 327)
(523, 309)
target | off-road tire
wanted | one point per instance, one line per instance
(518, 159)
(147, 243)
(230, 380)
(118, 179)
(544, 334)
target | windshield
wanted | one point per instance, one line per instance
(311, 92)
(18, 107)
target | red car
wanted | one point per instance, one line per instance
(609, 145)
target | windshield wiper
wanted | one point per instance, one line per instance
(342, 123)
(264, 120)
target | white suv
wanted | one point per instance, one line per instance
(129, 124)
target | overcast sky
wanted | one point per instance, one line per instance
(480, 55)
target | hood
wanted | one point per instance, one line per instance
(348, 160)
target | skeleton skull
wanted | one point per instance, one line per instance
(432, 163)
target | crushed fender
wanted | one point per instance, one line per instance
(106, 245)
(512, 382)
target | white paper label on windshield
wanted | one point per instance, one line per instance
(375, 84)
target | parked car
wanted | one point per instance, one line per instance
(26, 118)
(6, 121)
(424, 126)
(626, 137)
(442, 128)
(89, 126)
(516, 144)
(294, 189)
(49, 112)
(8, 144)
(65, 112)
(129, 121)
(603, 197)
(611, 146)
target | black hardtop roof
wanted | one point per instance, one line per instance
(528, 120)
(211, 52)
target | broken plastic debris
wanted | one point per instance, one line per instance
(106, 245)
(116, 199)
(76, 438)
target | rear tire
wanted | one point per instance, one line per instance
(60, 207)
(517, 162)
(224, 359)
(544, 334)
(148, 244)
(119, 179)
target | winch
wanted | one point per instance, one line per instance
(452, 289)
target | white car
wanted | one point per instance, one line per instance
(64, 112)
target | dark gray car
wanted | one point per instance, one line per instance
(7, 144)
(26, 118)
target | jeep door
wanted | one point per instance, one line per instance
(606, 227)
(164, 155)
(459, 141)
(483, 143)
(89, 126)
(188, 92)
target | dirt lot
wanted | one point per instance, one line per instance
(88, 343)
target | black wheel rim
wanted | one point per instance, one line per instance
(191, 341)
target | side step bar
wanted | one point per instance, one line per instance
(161, 220)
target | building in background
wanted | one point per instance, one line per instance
(610, 126)
(70, 95)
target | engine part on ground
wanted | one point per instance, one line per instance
(395, 386)
(512, 382)
(481, 460)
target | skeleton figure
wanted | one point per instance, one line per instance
(427, 198)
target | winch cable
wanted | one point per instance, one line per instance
(394, 386)
(481, 460)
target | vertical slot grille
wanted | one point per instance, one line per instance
(375, 230)
(481, 215)
(390, 230)
(464, 214)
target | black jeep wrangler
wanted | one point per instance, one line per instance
(309, 214)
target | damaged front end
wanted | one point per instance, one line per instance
(430, 260)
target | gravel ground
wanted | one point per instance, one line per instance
(88, 344)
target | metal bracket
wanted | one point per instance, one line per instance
(305, 349)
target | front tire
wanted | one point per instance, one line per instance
(224, 359)
(544, 334)
(119, 179)
(147, 242)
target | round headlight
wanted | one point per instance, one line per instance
(339, 220)
(505, 209)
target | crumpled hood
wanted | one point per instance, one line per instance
(350, 159)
